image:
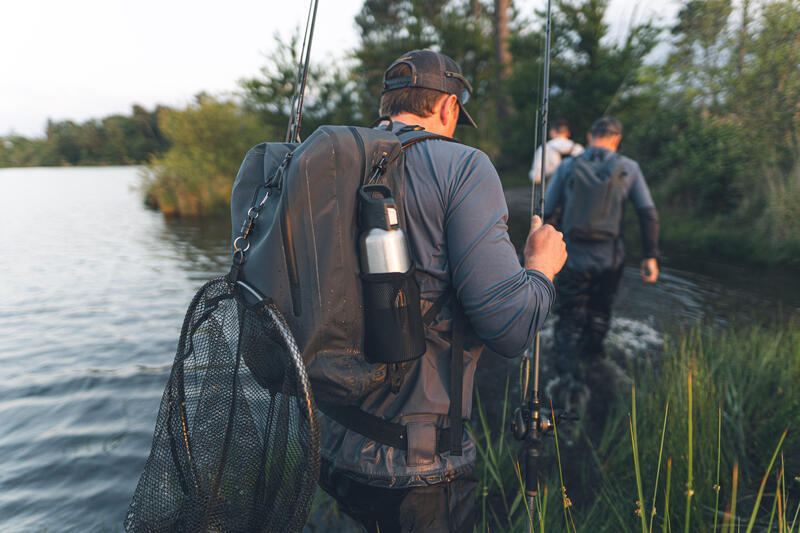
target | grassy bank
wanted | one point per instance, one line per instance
(708, 438)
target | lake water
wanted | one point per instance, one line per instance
(93, 292)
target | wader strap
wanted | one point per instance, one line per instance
(457, 378)
(377, 429)
(431, 314)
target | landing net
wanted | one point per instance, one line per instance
(236, 444)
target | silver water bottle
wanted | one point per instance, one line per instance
(393, 329)
(383, 245)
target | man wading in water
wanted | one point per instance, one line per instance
(456, 218)
(590, 192)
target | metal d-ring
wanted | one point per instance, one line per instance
(236, 245)
(252, 213)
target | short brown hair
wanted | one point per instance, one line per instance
(560, 125)
(606, 127)
(415, 100)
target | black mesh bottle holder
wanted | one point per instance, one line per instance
(393, 329)
(236, 444)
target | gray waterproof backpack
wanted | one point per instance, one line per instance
(594, 195)
(303, 202)
(295, 325)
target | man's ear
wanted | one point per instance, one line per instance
(447, 113)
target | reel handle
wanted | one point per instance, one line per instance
(533, 453)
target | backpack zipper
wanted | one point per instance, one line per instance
(360, 143)
(288, 244)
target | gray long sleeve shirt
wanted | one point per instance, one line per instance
(456, 218)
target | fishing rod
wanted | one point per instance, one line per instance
(296, 111)
(529, 424)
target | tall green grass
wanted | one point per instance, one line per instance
(720, 408)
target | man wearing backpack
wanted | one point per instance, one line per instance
(465, 266)
(589, 191)
(559, 147)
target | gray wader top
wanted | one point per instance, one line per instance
(456, 218)
(596, 256)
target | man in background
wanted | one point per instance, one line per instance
(559, 146)
(590, 191)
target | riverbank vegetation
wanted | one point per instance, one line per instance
(707, 438)
(704, 437)
(112, 140)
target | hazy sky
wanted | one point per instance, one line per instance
(80, 59)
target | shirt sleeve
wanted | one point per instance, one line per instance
(639, 194)
(505, 303)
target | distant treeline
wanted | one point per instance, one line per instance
(113, 140)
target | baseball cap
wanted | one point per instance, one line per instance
(432, 70)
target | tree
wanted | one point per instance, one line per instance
(330, 94)
(502, 34)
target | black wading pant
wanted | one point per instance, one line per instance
(446, 507)
(583, 307)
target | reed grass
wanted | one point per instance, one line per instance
(635, 446)
(713, 402)
(689, 462)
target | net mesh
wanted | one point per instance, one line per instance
(236, 444)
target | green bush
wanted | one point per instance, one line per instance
(209, 140)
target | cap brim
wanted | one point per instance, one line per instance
(464, 118)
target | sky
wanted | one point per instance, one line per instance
(82, 59)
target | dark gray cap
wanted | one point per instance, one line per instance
(432, 70)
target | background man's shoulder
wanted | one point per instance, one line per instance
(630, 166)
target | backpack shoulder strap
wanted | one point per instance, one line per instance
(613, 167)
(572, 162)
